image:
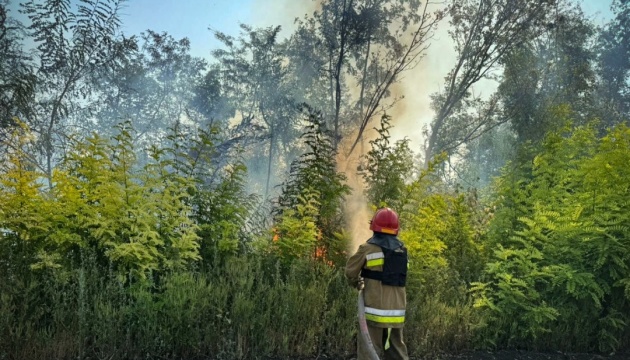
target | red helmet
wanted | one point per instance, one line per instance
(386, 221)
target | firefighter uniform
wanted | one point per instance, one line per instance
(385, 305)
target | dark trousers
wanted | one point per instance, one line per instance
(386, 341)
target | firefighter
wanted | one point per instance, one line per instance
(379, 267)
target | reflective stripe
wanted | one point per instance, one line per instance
(378, 255)
(385, 319)
(385, 316)
(389, 334)
(376, 262)
(375, 259)
(369, 310)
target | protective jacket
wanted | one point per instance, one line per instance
(384, 304)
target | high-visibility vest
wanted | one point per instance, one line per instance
(394, 263)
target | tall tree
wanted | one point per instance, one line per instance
(387, 168)
(360, 48)
(614, 66)
(17, 80)
(314, 181)
(551, 70)
(72, 45)
(255, 79)
(559, 238)
(152, 87)
(484, 31)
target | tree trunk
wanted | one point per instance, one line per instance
(271, 142)
(337, 73)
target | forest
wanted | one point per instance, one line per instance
(157, 205)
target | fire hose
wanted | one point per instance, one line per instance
(363, 329)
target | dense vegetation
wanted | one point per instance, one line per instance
(156, 205)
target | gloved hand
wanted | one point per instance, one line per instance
(360, 284)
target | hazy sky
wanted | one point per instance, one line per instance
(193, 18)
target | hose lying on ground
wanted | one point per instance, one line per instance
(363, 329)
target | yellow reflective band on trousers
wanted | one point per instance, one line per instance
(385, 316)
(385, 319)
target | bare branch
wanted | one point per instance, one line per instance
(484, 31)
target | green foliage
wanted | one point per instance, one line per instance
(434, 324)
(244, 308)
(316, 170)
(550, 70)
(221, 212)
(614, 66)
(219, 202)
(387, 168)
(152, 86)
(258, 85)
(562, 250)
(241, 309)
(18, 79)
(136, 219)
(441, 237)
(23, 211)
(111, 251)
(75, 43)
(296, 234)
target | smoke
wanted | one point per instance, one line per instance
(413, 113)
(358, 215)
(409, 115)
(356, 209)
(283, 13)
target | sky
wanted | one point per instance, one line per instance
(194, 19)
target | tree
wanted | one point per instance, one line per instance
(545, 76)
(220, 205)
(313, 180)
(296, 234)
(560, 245)
(387, 169)
(210, 101)
(438, 230)
(359, 43)
(151, 87)
(136, 217)
(256, 83)
(135, 220)
(71, 47)
(614, 66)
(17, 81)
(553, 70)
(484, 31)
(22, 219)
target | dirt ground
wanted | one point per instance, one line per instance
(524, 355)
